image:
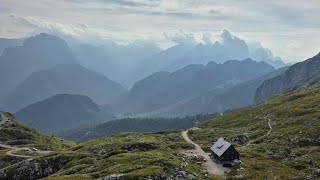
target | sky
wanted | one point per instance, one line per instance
(290, 28)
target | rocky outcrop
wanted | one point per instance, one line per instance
(35, 169)
(296, 76)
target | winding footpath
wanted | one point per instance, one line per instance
(270, 126)
(212, 167)
(13, 150)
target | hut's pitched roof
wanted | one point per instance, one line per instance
(220, 147)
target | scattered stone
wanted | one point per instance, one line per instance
(113, 177)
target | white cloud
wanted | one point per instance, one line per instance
(207, 38)
(181, 37)
(274, 23)
(173, 6)
(293, 45)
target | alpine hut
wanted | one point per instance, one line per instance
(223, 151)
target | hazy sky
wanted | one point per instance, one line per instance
(290, 28)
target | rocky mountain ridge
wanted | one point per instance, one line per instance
(296, 76)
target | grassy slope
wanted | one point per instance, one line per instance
(23, 136)
(134, 155)
(292, 149)
(19, 135)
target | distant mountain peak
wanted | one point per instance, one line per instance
(212, 63)
(249, 60)
(190, 66)
(46, 39)
(226, 34)
(216, 43)
(42, 51)
(63, 111)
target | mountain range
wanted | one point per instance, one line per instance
(43, 51)
(238, 96)
(45, 66)
(134, 61)
(181, 76)
(229, 47)
(164, 89)
(124, 63)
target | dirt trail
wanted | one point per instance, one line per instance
(212, 167)
(15, 150)
(270, 126)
